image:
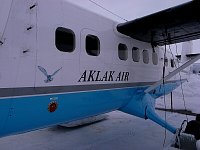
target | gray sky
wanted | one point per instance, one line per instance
(128, 9)
(132, 9)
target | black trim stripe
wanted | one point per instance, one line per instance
(23, 91)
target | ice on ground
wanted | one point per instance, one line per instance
(119, 131)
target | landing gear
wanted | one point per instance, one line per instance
(183, 140)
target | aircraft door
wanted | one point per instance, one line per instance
(92, 54)
(18, 27)
(26, 75)
(20, 36)
(51, 61)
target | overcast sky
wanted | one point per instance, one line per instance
(131, 9)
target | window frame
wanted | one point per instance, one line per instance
(125, 50)
(137, 51)
(144, 52)
(166, 61)
(172, 63)
(64, 48)
(88, 50)
(154, 61)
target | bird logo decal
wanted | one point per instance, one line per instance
(49, 77)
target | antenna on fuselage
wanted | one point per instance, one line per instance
(107, 10)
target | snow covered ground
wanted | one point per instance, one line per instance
(191, 92)
(119, 131)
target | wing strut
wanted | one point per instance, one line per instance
(173, 73)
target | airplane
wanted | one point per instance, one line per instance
(61, 63)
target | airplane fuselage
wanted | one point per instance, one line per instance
(60, 63)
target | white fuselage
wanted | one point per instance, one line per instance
(29, 42)
(61, 63)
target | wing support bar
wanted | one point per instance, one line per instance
(173, 73)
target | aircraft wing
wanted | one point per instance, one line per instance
(176, 24)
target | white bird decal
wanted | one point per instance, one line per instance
(49, 77)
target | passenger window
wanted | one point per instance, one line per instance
(135, 54)
(65, 39)
(172, 63)
(145, 56)
(92, 45)
(166, 61)
(122, 51)
(155, 58)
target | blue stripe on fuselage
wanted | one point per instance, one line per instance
(21, 114)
